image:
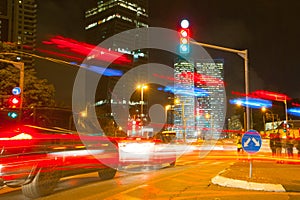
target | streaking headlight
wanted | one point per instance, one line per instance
(136, 147)
(21, 136)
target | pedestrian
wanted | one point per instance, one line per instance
(297, 145)
(239, 144)
(278, 145)
(289, 146)
(272, 144)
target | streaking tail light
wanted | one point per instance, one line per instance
(60, 148)
(79, 146)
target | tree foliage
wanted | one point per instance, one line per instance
(37, 92)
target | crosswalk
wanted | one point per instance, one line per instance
(200, 162)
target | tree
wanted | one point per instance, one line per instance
(37, 92)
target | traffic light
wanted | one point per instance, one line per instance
(13, 114)
(286, 128)
(14, 101)
(184, 34)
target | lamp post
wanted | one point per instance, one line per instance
(210, 118)
(239, 104)
(265, 110)
(142, 87)
(286, 113)
(183, 118)
(277, 98)
(167, 107)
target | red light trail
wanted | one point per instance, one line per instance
(85, 49)
(263, 94)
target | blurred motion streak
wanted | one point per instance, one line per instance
(84, 49)
(263, 94)
(294, 111)
(270, 95)
(251, 102)
(35, 158)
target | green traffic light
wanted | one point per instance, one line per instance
(13, 115)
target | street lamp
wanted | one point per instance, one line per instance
(210, 117)
(239, 104)
(265, 110)
(119, 129)
(183, 118)
(142, 87)
(286, 112)
(167, 107)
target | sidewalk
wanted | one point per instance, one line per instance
(266, 175)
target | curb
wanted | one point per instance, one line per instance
(229, 182)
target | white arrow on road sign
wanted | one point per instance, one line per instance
(255, 142)
(247, 142)
(251, 141)
(16, 91)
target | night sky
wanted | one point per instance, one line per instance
(269, 29)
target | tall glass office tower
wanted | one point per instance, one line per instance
(210, 76)
(104, 22)
(184, 118)
(199, 106)
(18, 24)
(111, 17)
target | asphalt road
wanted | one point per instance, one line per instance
(189, 179)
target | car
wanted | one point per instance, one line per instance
(36, 158)
(139, 151)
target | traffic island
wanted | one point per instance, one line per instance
(229, 182)
(266, 176)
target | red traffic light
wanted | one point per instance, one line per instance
(184, 33)
(184, 40)
(14, 101)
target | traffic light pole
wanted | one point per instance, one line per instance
(244, 55)
(20, 66)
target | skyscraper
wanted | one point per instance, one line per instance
(209, 76)
(18, 24)
(111, 17)
(106, 20)
(4, 20)
(199, 89)
(184, 120)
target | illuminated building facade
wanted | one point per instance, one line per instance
(104, 21)
(211, 108)
(18, 24)
(184, 120)
(111, 17)
(199, 106)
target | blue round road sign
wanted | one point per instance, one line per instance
(251, 141)
(16, 91)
